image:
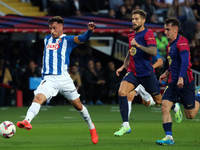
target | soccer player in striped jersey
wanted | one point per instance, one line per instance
(56, 78)
(180, 79)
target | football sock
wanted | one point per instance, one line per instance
(168, 128)
(32, 111)
(126, 124)
(174, 108)
(123, 106)
(86, 116)
(129, 108)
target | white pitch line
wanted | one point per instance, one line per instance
(72, 109)
(69, 117)
(4, 108)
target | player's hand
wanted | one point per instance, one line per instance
(180, 82)
(163, 77)
(119, 70)
(91, 25)
(134, 43)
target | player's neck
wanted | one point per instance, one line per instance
(174, 38)
(140, 29)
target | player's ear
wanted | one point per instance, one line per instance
(176, 30)
(143, 21)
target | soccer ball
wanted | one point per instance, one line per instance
(7, 129)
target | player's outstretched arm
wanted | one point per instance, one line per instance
(85, 36)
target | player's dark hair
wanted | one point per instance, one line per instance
(173, 21)
(140, 12)
(57, 19)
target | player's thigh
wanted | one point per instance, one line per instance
(129, 82)
(125, 88)
(131, 95)
(170, 93)
(166, 105)
(150, 84)
(68, 89)
(187, 96)
(47, 87)
(157, 98)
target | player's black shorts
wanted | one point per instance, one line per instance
(186, 94)
(150, 83)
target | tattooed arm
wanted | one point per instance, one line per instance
(151, 50)
(127, 59)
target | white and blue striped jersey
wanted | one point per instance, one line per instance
(56, 54)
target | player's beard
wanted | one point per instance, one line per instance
(137, 28)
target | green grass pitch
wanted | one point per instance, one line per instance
(62, 128)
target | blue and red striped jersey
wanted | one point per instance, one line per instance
(140, 61)
(180, 44)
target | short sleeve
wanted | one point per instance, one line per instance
(182, 44)
(150, 38)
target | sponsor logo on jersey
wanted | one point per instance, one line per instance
(169, 49)
(52, 46)
(169, 60)
(133, 51)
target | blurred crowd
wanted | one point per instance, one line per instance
(95, 80)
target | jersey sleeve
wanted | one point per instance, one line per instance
(182, 44)
(150, 38)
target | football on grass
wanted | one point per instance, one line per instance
(7, 129)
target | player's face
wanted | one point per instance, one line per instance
(170, 32)
(137, 22)
(56, 29)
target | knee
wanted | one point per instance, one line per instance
(37, 98)
(190, 116)
(145, 103)
(122, 93)
(164, 109)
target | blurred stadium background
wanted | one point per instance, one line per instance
(24, 24)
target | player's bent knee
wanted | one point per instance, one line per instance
(39, 98)
(122, 93)
(190, 116)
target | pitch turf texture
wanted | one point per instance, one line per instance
(62, 128)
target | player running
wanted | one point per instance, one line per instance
(147, 99)
(142, 45)
(56, 78)
(180, 79)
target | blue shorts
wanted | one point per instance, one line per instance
(186, 94)
(150, 83)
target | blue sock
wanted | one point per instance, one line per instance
(168, 128)
(123, 106)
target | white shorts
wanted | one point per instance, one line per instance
(52, 84)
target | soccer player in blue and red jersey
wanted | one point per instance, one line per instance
(180, 79)
(57, 49)
(142, 45)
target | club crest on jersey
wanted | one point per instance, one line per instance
(133, 51)
(52, 46)
(60, 40)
